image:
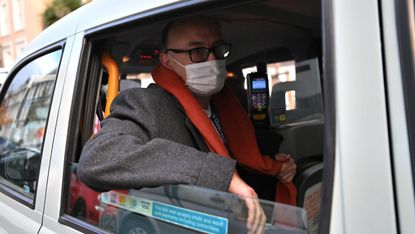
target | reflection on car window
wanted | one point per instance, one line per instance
(23, 115)
(180, 209)
(191, 209)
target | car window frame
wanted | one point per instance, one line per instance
(329, 94)
(31, 203)
(176, 10)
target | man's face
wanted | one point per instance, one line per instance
(189, 37)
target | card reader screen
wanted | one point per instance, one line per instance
(259, 84)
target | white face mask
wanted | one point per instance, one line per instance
(206, 78)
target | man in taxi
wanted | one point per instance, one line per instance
(186, 129)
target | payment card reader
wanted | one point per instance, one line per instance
(258, 96)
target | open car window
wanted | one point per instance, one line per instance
(290, 46)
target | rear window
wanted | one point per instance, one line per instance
(24, 112)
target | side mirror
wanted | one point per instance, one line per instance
(22, 164)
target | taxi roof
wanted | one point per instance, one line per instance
(91, 15)
(101, 13)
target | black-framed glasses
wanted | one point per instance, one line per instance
(201, 54)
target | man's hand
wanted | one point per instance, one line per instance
(288, 167)
(256, 217)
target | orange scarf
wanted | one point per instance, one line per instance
(241, 140)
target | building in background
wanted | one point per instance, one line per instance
(20, 22)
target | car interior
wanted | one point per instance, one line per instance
(285, 36)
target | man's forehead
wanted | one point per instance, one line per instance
(194, 33)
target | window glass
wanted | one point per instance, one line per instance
(295, 91)
(23, 116)
(190, 209)
(297, 98)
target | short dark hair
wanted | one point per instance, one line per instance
(164, 35)
(188, 20)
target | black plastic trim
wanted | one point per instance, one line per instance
(74, 132)
(406, 40)
(79, 225)
(329, 114)
(29, 202)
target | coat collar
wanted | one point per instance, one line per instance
(197, 138)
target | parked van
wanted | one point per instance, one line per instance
(340, 88)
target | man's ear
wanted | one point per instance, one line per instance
(165, 61)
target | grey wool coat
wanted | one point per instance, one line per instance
(148, 141)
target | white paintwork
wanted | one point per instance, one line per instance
(89, 16)
(401, 156)
(367, 202)
(51, 214)
(115, 11)
(18, 218)
(336, 221)
(363, 196)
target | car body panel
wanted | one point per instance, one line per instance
(399, 130)
(54, 184)
(361, 121)
(82, 19)
(18, 218)
(128, 8)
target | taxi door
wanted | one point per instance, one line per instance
(29, 103)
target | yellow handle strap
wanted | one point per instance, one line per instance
(113, 80)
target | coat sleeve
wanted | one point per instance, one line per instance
(128, 152)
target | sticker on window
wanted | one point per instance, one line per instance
(173, 214)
